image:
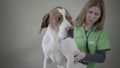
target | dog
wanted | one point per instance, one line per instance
(58, 44)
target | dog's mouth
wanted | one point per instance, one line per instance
(68, 36)
(70, 33)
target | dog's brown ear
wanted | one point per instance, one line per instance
(45, 22)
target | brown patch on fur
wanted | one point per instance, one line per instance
(55, 18)
(44, 22)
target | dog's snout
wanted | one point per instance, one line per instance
(70, 31)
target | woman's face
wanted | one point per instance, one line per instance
(93, 14)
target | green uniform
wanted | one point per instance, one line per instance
(97, 40)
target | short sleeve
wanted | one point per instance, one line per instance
(103, 41)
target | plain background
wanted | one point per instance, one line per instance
(20, 42)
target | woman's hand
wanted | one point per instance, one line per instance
(79, 56)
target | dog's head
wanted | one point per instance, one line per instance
(60, 21)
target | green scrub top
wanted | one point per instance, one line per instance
(97, 40)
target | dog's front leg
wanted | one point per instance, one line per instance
(70, 61)
(47, 62)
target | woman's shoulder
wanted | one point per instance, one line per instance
(77, 26)
(102, 32)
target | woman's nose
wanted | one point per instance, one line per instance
(92, 15)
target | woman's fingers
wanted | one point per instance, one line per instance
(79, 56)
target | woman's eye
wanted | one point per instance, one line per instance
(90, 12)
(97, 14)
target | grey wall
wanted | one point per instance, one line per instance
(20, 43)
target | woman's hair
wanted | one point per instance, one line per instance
(82, 16)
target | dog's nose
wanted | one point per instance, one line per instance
(70, 31)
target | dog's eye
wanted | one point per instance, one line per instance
(59, 19)
(69, 19)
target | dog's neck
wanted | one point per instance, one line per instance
(51, 33)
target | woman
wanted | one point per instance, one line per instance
(90, 35)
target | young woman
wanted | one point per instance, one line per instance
(90, 35)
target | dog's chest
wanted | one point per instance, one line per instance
(55, 52)
(54, 46)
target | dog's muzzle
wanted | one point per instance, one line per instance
(70, 32)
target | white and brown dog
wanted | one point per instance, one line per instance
(58, 44)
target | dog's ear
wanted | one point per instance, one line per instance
(45, 22)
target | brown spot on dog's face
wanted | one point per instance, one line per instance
(55, 19)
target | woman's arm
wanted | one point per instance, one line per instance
(98, 57)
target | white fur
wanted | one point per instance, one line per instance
(57, 50)
(62, 32)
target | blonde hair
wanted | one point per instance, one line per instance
(81, 17)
